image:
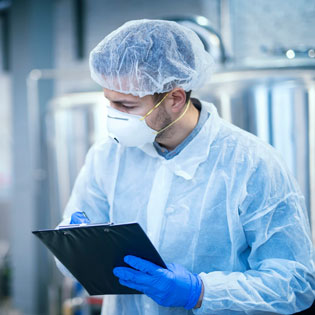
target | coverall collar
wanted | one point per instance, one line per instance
(170, 154)
(195, 152)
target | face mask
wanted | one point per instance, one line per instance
(132, 130)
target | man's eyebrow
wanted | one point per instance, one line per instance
(122, 101)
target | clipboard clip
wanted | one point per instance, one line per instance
(83, 225)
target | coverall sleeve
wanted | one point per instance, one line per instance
(280, 277)
(88, 194)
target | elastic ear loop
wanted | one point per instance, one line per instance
(152, 109)
(177, 119)
(173, 122)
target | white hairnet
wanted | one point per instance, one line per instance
(144, 57)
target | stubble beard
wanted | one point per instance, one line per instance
(164, 120)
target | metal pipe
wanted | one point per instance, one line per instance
(34, 126)
(225, 27)
(79, 27)
(311, 135)
(33, 108)
(203, 22)
(5, 37)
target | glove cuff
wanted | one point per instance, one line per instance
(196, 286)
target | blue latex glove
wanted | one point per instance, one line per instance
(79, 217)
(174, 286)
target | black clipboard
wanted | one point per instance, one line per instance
(90, 252)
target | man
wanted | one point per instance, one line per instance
(217, 203)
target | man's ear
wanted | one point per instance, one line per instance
(178, 97)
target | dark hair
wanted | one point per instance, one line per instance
(158, 96)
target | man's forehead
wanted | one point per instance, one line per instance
(119, 97)
(126, 98)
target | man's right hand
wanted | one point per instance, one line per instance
(79, 217)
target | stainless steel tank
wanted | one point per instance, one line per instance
(277, 105)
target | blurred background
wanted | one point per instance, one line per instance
(51, 112)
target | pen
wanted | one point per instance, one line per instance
(85, 215)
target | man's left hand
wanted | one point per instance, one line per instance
(174, 286)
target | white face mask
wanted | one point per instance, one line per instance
(132, 130)
(129, 130)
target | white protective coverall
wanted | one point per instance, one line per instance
(225, 207)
